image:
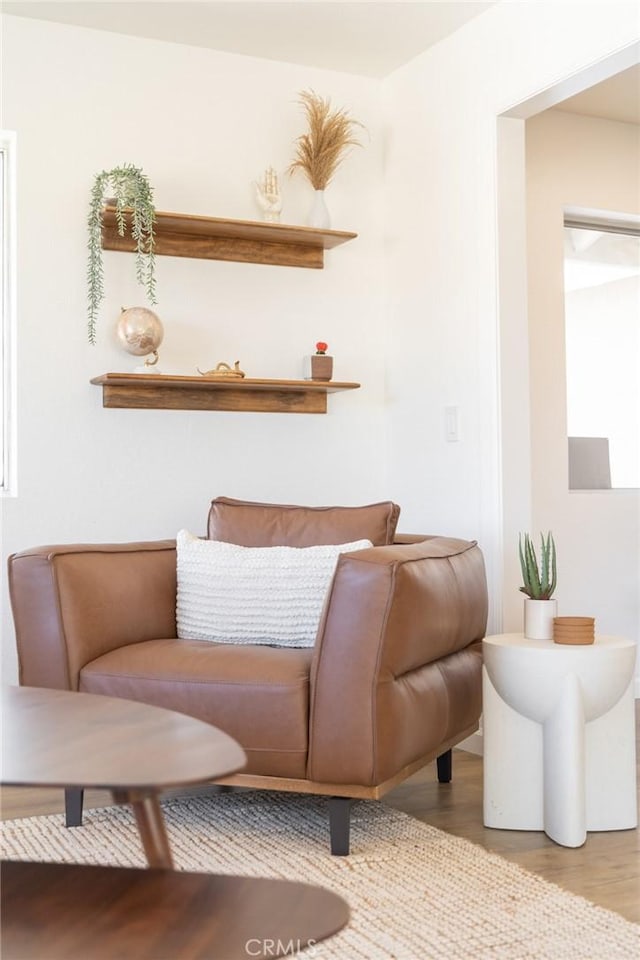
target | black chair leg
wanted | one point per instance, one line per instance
(339, 825)
(444, 767)
(73, 798)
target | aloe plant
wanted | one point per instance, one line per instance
(539, 581)
(131, 191)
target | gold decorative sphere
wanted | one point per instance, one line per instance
(139, 331)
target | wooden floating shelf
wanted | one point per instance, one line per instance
(146, 391)
(246, 241)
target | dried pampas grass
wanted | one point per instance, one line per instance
(320, 151)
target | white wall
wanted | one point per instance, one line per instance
(444, 347)
(203, 126)
(583, 162)
(213, 122)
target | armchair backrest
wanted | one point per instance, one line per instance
(272, 525)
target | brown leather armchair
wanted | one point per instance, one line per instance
(393, 681)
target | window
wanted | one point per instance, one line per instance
(602, 332)
(7, 305)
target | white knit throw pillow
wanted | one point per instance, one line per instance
(266, 595)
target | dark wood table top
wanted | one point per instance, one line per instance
(74, 912)
(60, 738)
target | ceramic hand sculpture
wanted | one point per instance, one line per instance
(268, 196)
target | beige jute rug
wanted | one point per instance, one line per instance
(415, 892)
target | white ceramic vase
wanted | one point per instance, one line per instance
(538, 618)
(319, 215)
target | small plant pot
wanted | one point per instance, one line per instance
(538, 618)
(574, 630)
(320, 367)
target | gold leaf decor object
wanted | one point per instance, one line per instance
(223, 370)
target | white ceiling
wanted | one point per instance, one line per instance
(615, 99)
(362, 37)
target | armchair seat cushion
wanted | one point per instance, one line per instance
(217, 683)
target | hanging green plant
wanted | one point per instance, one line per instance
(128, 188)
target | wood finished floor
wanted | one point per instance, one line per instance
(606, 870)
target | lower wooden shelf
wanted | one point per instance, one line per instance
(145, 391)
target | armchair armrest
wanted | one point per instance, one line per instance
(393, 639)
(74, 603)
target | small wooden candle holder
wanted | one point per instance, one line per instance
(574, 630)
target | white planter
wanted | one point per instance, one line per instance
(538, 618)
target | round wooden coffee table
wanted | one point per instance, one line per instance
(59, 738)
(67, 911)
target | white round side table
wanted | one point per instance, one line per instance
(559, 736)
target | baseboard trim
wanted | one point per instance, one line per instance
(473, 744)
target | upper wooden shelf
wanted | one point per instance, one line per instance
(247, 241)
(157, 391)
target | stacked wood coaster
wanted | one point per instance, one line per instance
(574, 630)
